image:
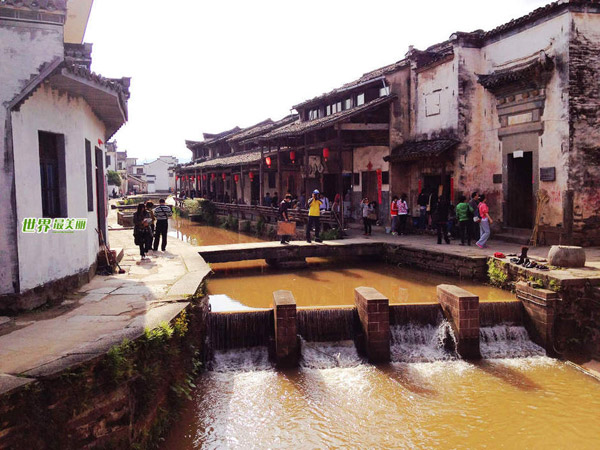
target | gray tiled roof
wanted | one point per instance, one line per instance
(418, 149)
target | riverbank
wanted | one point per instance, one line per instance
(92, 366)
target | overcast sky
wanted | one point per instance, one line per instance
(206, 66)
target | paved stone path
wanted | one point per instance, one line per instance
(101, 313)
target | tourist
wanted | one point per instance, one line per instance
(464, 214)
(422, 202)
(367, 211)
(394, 215)
(142, 234)
(325, 206)
(267, 200)
(314, 216)
(484, 223)
(284, 206)
(162, 213)
(474, 204)
(402, 213)
(302, 200)
(150, 208)
(274, 200)
(441, 220)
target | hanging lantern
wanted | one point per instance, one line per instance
(236, 177)
(251, 175)
(268, 161)
(204, 177)
(213, 176)
(176, 177)
(223, 176)
(293, 156)
(187, 177)
(325, 153)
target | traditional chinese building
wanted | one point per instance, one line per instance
(55, 117)
(512, 112)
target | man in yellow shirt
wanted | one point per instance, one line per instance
(314, 216)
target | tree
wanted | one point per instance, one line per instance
(114, 178)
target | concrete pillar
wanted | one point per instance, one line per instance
(539, 307)
(374, 313)
(286, 339)
(462, 310)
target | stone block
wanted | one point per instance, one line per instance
(373, 312)
(287, 349)
(539, 306)
(462, 310)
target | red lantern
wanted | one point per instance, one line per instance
(325, 153)
(293, 156)
(251, 175)
(204, 177)
(176, 177)
(187, 177)
(223, 176)
(213, 176)
(236, 178)
(100, 142)
(268, 161)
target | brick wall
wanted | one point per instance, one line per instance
(462, 309)
(286, 339)
(539, 307)
(374, 314)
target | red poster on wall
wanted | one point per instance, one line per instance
(379, 186)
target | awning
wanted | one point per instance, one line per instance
(413, 150)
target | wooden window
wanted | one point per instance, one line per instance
(348, 103)
(385, 177)
(360, 99)
(89, 175)
(328, 110)
(384, 91)
(52, 174)
(432, 103)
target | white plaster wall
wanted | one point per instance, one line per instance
(47, 257)
(374, 155)
(442, 78)
(159, 168)
(24, 47)
(485, 156)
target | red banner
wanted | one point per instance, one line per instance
(379, 186)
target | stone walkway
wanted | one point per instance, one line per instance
(102, 313)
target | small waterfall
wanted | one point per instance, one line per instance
(332, 324)
(495, 313)
(422, 314)
(422, 343)
(328, 355)
(240, 330)
(507, 341)
(241, 360)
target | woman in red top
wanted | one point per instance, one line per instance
(394, 214)
(485, 222)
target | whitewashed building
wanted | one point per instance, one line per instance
(55, 118)
(160, 175)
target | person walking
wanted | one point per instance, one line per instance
(485, 222)
(402, 213)
(284, 206)
(367, 209)
(464, 215)
(150, 209)
(314, 216)
(162, 213)
(474, 204)
(142, 234)
(267, 200)
(441, 220)
(394, 215)
(422, 201)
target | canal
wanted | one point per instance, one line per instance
(515, 397)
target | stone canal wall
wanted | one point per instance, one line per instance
(124, 398)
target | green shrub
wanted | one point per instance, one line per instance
(496, 273)
(331, 234)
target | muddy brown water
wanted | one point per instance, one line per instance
(336, 400)
(325, 282)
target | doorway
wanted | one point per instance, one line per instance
(519, 205)
(330, 185)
